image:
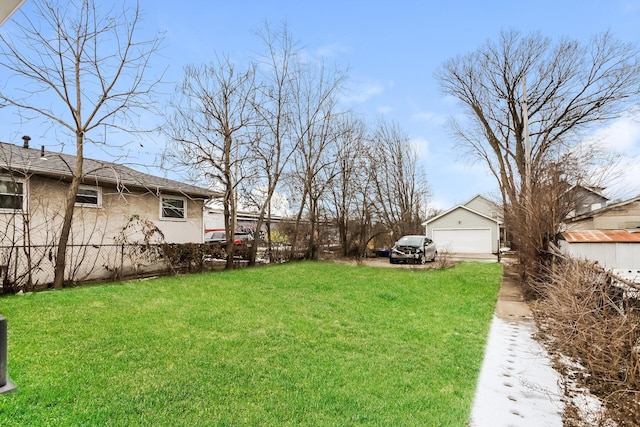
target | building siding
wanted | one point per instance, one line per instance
(461, 218)
(608, 255)
(95, 225)
(621, 217)
(28, 238)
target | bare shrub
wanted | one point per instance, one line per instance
(141, 239)
(443, 260)
(591, 317)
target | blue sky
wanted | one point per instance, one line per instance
(392, 50)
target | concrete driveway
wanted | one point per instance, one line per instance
(473, 257)
(452, 257)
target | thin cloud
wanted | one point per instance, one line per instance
(362, 91)
(333, 50)
(429, 117)
(421, 146)
(621, 135)
(624, 181)
(384, 110)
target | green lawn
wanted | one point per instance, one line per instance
(316, 344)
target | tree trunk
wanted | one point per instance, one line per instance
(296, 228)
(229, 224)
(61, 254)
(312, 250)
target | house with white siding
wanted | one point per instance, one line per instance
(115, 204)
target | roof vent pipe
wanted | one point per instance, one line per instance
(26, 140)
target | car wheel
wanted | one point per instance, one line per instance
(392, 261)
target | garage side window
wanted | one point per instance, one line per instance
(11, 194)
(89, 196)
(173, 208)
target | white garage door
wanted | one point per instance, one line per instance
(472, 240)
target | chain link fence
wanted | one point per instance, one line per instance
(32, 268)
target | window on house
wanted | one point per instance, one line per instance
(89, 196)
(173, 208)
(11, 194)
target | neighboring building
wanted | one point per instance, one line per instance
(470, 228)
(114, 205)
(616, 250)
(609, 236)
(246, 220)
(621, 215)
(584, 199)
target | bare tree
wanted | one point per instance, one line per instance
(316, 128)
(350, 191)
(273, 145)
(529, 102)
(399, 184)
(213, 112)
(79, 68)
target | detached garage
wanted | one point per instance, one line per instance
(463, 230)
(616, 250)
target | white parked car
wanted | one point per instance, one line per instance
(413, 249)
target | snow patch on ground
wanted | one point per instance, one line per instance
(517, 386)
(590, 409)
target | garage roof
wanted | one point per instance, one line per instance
(602, 236)
(460, 207)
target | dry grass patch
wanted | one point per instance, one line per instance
(587, 315)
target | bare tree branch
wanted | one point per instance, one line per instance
(78, 68)
(571, 88)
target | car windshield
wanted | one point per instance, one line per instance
(410, 241)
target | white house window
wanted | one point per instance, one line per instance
(89, 196)
(173, 208)
(11, 194)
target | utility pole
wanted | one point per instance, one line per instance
(527, 142)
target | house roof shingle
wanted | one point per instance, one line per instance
(60, 166)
